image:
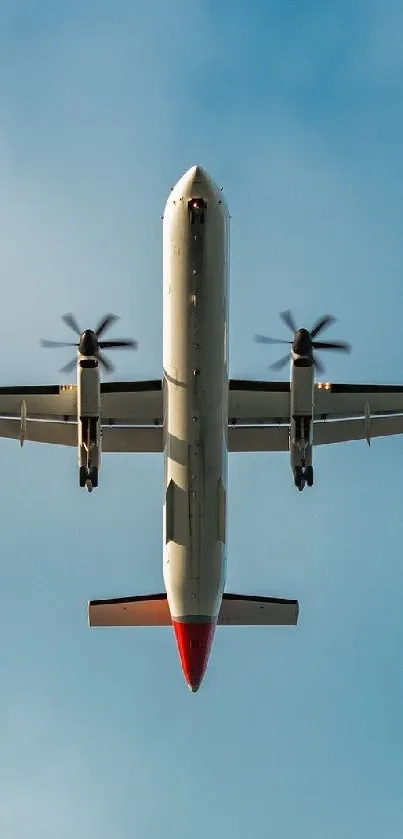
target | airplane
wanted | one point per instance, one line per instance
(195, 415)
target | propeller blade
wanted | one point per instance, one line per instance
(117, 344)
(105, 363)
(318, 364)
(70, 320)
(322, 324)
(263, 339)
(288, 319)
(331, 345)
(104, 324)
(46, 343)
(280, 363)
(69, 367)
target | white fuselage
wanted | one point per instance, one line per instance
(195, 357)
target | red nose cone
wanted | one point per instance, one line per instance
(194, 643)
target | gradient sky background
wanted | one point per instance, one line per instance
(295, 109)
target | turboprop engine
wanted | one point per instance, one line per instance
(88, 361)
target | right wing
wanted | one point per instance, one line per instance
(259, 414)
(265, 402)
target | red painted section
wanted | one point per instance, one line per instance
(194, 644)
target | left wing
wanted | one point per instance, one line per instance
(48, 414)
(131, 403)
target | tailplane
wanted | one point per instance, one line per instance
(153, 610)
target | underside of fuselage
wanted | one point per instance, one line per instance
(195, 390)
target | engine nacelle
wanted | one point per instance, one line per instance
(89, 413)
(88, 388)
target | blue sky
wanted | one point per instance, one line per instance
(295, 109)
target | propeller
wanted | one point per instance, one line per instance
(304, 343)
(89, 343)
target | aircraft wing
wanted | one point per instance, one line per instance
(131, 403)
(131, 415)
(259, 414)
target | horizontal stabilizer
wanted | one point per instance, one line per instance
(153, 610)
(147, 610)
(241, 610)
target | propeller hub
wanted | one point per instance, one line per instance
(88, 344)
(302, 344)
